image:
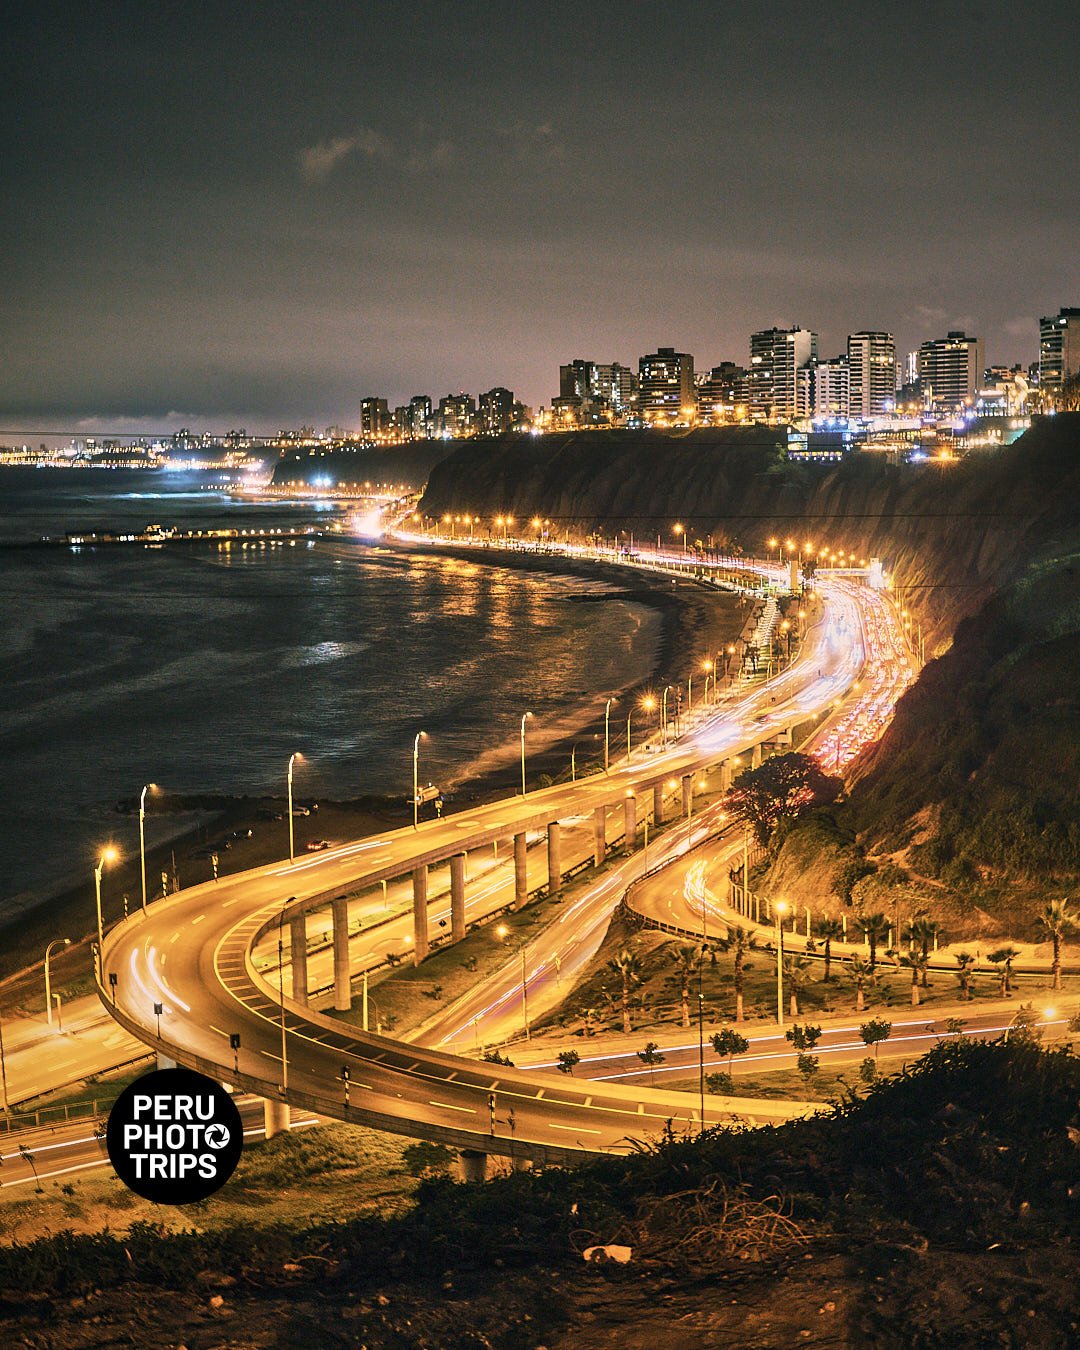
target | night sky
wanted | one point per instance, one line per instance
(223, 214)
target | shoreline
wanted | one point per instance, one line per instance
(693, 619)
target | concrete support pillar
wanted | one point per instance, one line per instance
(755, 757)
(727, 774)
(339, 910)
(298, 956)
(630, 821)
(687, 793)
(276, 1117)
(521, 1164)
(164, 1062)
(421, 946)
(473, 1165)
(554, 841)
(457, 896)
(599, 835)
(658, 804)
(521, 872)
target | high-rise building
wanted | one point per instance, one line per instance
(578, 380)
(1059, 349)
(722, 393)
(420, 417)
(401, 423)
(614, 385)
(775, 356)
(457, 415)
(496, 410)
(374, 417)
(871, 359)
(822, 389)
(950, 369)
(666, 393)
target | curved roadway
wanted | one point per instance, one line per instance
(191, 956)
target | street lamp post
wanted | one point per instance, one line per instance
(663, 715)
(292, 851)
(416, 779)
(525, 996)
(781, 908)
(142, 839)
(107, 855)
(524, 718)
(281, 985)
(607, 735)
(57, 942)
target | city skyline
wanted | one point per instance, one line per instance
(227, 223)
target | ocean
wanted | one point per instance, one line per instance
(203, 668)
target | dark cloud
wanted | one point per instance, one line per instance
(270, 211)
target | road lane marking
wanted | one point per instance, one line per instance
(449, 1106)
(575, 1129)
(198, 920)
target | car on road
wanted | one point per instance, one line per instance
(317, 845)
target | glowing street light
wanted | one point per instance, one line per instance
(57, 942)
(150, 787)
(416, 778)
(292, 851)
(108, 855)
(678, 530)
(524, 718)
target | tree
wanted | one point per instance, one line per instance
(875, 929)
(779, 791)
(861, 974)
(727, 1041)
(687, 956)
(846, 876)
(809, 571)
(651, 1056)
(1003, 958)
(494, 1057)
(567, 1060)
(797, 974)
(739, 941)
(1025, 1025)
(966, 968)
(874, 1032)
(922, 932)
(954, 1026)
(918, 963)
(628, 968)
(830, 931)
(588, 1017)
(808, 1066)
(1057, 920)
(803, 1038)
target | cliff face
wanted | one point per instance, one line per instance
(352, 466)
(972, 790)
(950, 533)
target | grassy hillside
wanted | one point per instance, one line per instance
(911, 1217)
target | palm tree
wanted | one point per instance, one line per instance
(875, 928)
(739, 940)
(918, 961)
(628, 968)
(1058, 921)
(686, 956)
(923, 931)
(796, 973)
(830, 931)
(966, 963)
(1004, 957)
(861, 974)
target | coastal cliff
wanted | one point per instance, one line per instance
(969, 803)
(950, 533)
